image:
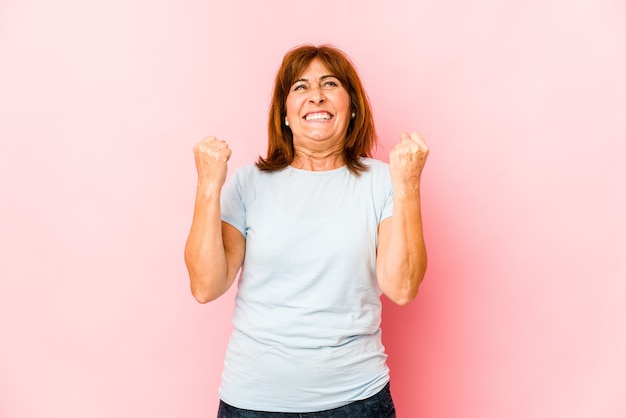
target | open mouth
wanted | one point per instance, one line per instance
(318, 116)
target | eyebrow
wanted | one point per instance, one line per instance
(321, 78)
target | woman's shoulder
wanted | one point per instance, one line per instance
(374, 163)
(251, 174)
(246, 169)
(377, 173)
(252, 170)
(374, 166)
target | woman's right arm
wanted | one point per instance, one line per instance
(215, 250)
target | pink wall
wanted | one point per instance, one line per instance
(524, 107)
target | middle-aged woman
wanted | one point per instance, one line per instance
(319, 230)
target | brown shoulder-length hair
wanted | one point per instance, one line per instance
(361, 135)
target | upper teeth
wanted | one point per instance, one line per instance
(318, 116)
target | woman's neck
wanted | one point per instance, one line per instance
(314, 160)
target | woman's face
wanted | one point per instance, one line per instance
(318, 109)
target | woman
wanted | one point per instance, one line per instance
(319, 230)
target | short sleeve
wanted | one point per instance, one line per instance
(232, 203)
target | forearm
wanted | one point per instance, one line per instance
(405, 261)
(204, 252)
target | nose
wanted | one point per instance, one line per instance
(316, 95)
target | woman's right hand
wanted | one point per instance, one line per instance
(211, 155)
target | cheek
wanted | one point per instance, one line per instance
(292, 105)
(343, 102)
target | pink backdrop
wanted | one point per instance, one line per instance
(524, 107)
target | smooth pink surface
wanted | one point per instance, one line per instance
(523, 105)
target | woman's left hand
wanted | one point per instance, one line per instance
(407, 160)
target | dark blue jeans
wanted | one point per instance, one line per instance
(377, 406)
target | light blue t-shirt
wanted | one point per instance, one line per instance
(307, 316)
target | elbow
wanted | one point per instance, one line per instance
(201, 285)
(202, 296)
(401, 296)
(400, 280)
(403, 302)
(405, 294)
(404, 298)
(202, 288)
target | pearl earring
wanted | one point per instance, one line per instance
(286, 122)
(353, 115)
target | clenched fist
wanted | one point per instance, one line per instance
(211, 155)
(407, 160)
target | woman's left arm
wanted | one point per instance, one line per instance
(401, 258)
